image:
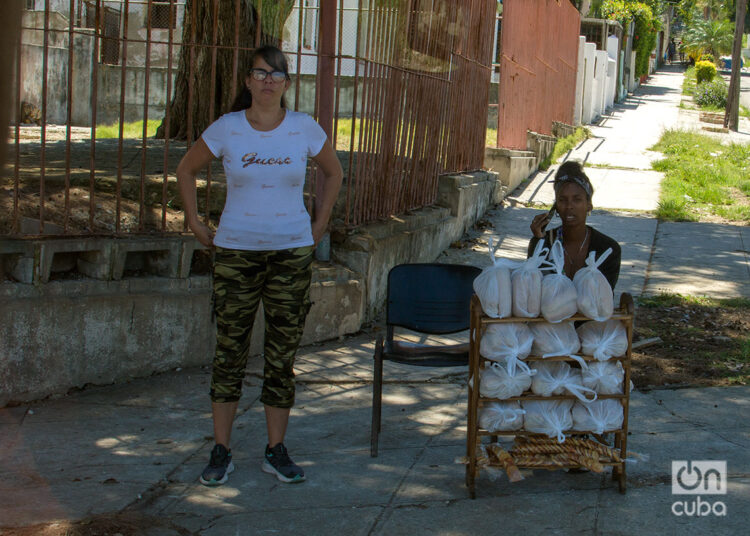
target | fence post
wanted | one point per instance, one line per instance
(325, 83)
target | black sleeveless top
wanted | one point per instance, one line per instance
(599, 242)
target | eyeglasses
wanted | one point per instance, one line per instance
(262, 74)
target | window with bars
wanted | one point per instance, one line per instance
(110, 52)
(593, 32)
(310, 24)
(160, 14)
(109, 29)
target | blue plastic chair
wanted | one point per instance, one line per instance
(431, 299)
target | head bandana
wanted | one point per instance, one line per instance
(559, 181)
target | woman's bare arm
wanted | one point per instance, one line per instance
(198, 157)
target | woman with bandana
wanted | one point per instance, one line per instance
(573, 193)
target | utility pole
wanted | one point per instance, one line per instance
(731, 115)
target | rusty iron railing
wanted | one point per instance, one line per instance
(422, 81)
(537, 75)
(401, 86)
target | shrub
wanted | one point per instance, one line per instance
(647, 25)
(713, 93)
(707, 57)
(705, 71)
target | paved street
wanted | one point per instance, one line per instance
(745, 90)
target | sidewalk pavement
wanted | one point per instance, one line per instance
(134, 451)
(701, 259)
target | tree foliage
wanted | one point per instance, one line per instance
(647, 25)
(714, 36)
(690, 10)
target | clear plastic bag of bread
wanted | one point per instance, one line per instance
(559, 296)
(501, 416)
(603, 340)
(526, 282)
(598, 417)
(595, 297)
(604, 377)
(554, 339)
(496, 381)
(558, 378)
(493, 286)
(502, 341)
(549, 417)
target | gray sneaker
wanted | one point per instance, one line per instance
(278, 463)
(219, 466)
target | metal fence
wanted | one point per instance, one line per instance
(537, 76)
(400, 85)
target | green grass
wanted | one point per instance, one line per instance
(688, 82)
(344, 134)
(373, 130)
(702, 176)
(563, 145)
(744, 111)
(688, 88)
(491, 140)
(669, 299)
(711, 108)
(131, 130)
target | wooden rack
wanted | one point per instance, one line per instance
(479, 321)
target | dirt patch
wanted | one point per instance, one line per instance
(111, 524)
(76, 214)
(702, 345)
(131, 171)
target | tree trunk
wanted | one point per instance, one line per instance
(217, 39)
(731, 114)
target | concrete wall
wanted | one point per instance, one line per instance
(75, 311)
(578, 106)
(511, 166)
(109, 90)
(109, 86)
(596, 81)
(32, 66)
(70, 333)
(601, 81)
(108, 77)
(632, 80)
(613, 53)
(102, 310)
(589, 60)
(622, 91)
(419, 236)
(611, 84)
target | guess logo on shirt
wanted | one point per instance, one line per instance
(252, 158)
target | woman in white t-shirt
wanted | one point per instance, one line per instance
(263, 248)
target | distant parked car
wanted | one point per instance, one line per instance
(725, 62)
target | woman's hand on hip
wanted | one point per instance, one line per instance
(202, 233)
(318, 230)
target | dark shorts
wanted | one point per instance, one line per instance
(241, 279)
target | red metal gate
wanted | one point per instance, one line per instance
(537, 68)
(409, 77)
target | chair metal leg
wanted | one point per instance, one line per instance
(377, 396)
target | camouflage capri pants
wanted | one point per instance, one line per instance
(241, 278)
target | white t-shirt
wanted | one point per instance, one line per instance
(265, 174)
